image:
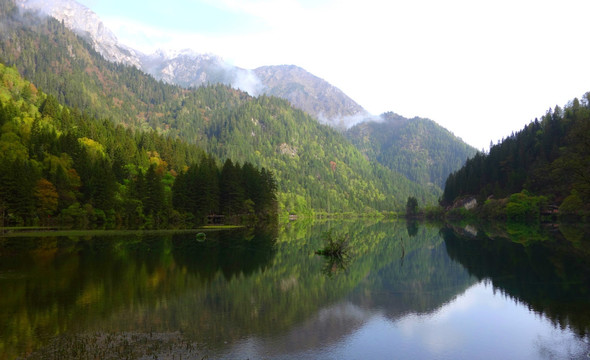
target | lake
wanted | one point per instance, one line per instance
(406, 290)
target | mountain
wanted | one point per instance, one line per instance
(88, 25)
(310, 94)
(58, 165)
(304, 90)
(419, 148)
(548, 157)
(188, 68)
(316, 168)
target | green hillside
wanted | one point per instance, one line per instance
(418, 148)
(61, 167)
(317, 169)
(549, 158)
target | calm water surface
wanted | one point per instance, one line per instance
(406, 291)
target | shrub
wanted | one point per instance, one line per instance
(334, 246)
(524, 206)
(572, 206)
(494, 209)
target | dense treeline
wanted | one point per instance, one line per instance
(418, 148)
(235, 191)
(549, 157)
(316, 168)
(58, 165)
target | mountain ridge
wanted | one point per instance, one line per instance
(210, 69)
(419, 148)
(192, 69)
(316, 168)
(87, 24)
(301, 87)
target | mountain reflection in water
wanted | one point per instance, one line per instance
(409, 291)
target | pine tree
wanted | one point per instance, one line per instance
(154, 199)
(231, 189)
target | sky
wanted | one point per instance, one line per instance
(481, 69)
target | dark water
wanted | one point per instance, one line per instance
(406, 291)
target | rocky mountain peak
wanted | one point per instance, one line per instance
(87, 24)
(311, 94)
(189, 68)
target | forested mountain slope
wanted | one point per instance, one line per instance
(418, 148)
(60, 166)
(315, 166)
(189, 68)
(549, 157)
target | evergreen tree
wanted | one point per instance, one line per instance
(154, 192)
(232, 190)
(548, 157)
(411, 207)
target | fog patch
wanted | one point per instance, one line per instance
(238, 78)
(347, 121)
(247, 81)
(43, 6)
(30, 12)
(242, 79)
(25, 14)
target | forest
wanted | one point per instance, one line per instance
(544, 166)
(422, 150)
(60, 166)
(316, 168)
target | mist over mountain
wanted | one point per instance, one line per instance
(304, 90)
(311, 94)
(420, 149)
(317, 169)
(189, 68)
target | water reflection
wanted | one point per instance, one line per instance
(234, 253)
(412, 226)
(418, 278)
(408, 290)
(547, 272)
(475, 325)
(53, 286)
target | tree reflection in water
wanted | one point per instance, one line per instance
(543, 269)
(267, 287)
